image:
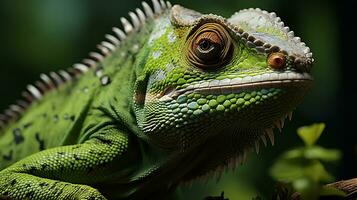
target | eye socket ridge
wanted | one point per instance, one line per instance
(209, 46)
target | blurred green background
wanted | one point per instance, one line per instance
(42, 35)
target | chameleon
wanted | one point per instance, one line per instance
(173, 96)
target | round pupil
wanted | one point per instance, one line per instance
(205, 44)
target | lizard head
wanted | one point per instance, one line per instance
(219, 83)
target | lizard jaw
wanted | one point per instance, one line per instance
(235, 85)
(240, 159)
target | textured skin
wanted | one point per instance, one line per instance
(135, 135)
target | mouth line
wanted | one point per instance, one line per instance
(228, 86)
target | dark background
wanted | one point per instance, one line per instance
(38, 36)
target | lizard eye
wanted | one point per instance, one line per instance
(277, 60)
(210, 46)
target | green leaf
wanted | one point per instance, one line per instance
(296, 153)
(313, 152)
(310, 134)
(292, 169)
(308, 189)
(286, 170)
(317, 172)
(320, 153)
(331, 191)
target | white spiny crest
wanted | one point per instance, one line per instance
(34, 91)
(307, 50)
(157, 7)
(281, 24)
(18, 109)
(11, 113)
(40, 85)
(65, 75)
(135, 20)
(89, 62)
(148, 11)
(98, 57)
(164, 5)
(53, 80)
(81, 67)
(56, 78)
(108, 45)
(291, 35)
(120, 34)
(141, 15)
(112, 39)
(47, 80)
(22, 103)
(103, 49)
(286, 29)
(168, 4)
(128, 28)
(273, 15)
(27, 95)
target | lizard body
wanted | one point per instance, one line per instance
(175, 96)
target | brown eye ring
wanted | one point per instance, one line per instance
(277, 60)
(210, 46)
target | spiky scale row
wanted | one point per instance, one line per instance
(40, 85)
(270, 133)
(135, 20)
(260, 47)
(301, 62)
(240, 159)
(54, 80)
(65, 75)
(119, 33)
(141, 15)
(148, 11)
(47, 81)
(230, 164)
(128, 28)
(113, 40)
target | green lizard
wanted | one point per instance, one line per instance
(176, 96)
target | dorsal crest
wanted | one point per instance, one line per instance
(112, 42)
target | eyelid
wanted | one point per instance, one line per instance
(220, 52)
(211, 36)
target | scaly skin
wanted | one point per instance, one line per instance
(182, 96)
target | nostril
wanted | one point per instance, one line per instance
(277, 60)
